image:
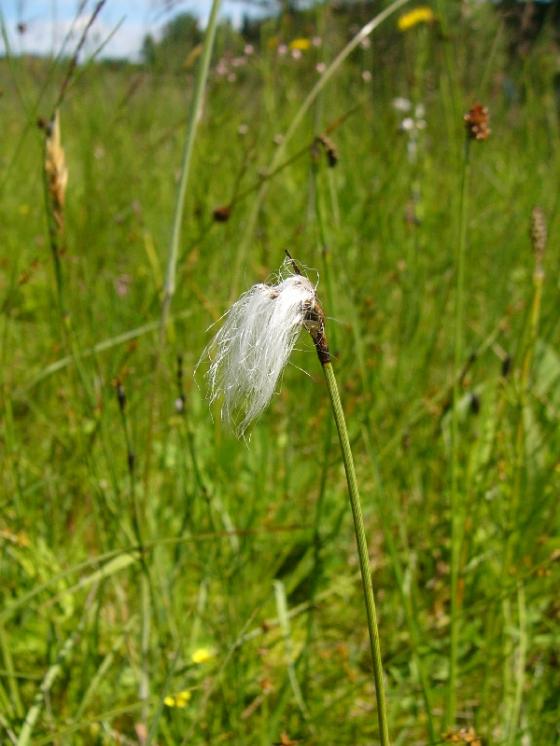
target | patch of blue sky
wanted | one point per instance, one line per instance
(41, 26)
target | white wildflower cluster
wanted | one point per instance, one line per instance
(254, 344)
(412, 125)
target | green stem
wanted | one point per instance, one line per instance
(363, 554)
(388, 517)
(455, 501)
(44, 689)
(513, 694)
(195, 114)
(194, 118)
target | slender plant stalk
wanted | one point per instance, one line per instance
(50, 677)
(455, 501)
(388, 521)
(138, 521)
(173, 252)
(513, 694)
(363, 554)
(194, 118)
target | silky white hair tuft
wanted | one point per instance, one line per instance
(252, 348)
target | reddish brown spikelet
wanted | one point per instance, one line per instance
(330, 150)
(477, 123)
(221, 214)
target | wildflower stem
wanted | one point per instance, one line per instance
(517, 645)
(455, 503)
(361, 541)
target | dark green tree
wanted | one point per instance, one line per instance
(178, 39)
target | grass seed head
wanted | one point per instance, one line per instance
(539, 235)
(477, 122)
(56, 169)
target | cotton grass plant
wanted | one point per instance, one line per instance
(251, 349)
(248, 355)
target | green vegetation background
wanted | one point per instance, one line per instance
(248, 548)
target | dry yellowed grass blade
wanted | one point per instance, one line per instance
(56, 170)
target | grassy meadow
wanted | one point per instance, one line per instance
(164, 582)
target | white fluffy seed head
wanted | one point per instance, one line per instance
(253, 346)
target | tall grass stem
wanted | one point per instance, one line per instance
(194, 118)
(455, 501)
(363, 554)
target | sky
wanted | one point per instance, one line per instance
(47, 22)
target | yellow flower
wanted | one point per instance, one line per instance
(202, 655)
(421, 14)
(302, 44)
(178, 700)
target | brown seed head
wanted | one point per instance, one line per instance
(464, 735)
(221, 214)
(55, 169)
(477, 123)
(538, 234)
(330, 149)
(315, 325)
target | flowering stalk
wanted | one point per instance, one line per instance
(250, 351)
(477, 129)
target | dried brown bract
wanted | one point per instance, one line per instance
(55, 169)
(477, 122)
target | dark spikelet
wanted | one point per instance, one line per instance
(221, 214)
(477, 123)
(330, 149)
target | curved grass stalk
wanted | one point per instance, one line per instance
(194, 118)
(363, 554)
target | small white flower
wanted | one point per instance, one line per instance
(252, 348)
(407, 124)
(402, 104)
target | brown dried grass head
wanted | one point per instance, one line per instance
(55, 169)
(477, 122)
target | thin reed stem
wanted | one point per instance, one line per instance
(455, 498)
(513, 691)
(173, 252)
(363, 554)
(52, 674)
(194, 118)
(138, 521)
(388, 517)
